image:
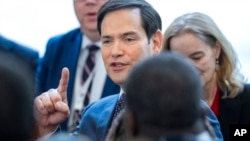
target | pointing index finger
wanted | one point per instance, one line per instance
(63, 84)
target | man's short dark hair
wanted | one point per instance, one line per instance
(164, 92)
(151, 20)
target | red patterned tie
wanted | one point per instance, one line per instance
(87, 69)
(90, 63)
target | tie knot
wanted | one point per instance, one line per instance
(92, 48)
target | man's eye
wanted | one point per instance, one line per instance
(129, 39)
(106, 41)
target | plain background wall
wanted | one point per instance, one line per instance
(33, 22)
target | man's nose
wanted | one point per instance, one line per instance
(117, 49)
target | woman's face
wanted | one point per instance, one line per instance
(202, 55)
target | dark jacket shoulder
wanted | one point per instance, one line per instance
(245, 94)
(67, 35)
(25, 53)
(103, 103)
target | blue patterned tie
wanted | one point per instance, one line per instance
(121, 103)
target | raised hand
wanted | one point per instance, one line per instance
(51, 107)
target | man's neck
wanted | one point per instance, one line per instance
(93, 35)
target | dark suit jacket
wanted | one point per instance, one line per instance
(63, 51)
(97, 117)
(234, 111)
(28, 57)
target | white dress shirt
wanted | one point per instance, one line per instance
(98, 75)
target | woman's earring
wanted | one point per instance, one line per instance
(217, 67)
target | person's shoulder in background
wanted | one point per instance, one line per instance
(24, 53)
(26, 57)
(69, 35)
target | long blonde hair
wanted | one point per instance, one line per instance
(229, 78)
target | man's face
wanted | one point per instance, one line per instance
(86, 13)
(124, 43)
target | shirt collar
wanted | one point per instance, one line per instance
(86, 41)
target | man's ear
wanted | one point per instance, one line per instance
(157, 41)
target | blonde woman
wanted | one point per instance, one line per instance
(196, 36)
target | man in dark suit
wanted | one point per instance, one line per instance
(130, 31)
(71, 50)
(166, 111)
(28, 56)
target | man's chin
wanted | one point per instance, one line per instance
(118, 81)
(91, 26)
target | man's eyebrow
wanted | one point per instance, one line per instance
(129, 33)
(105, 37)
(122, 35)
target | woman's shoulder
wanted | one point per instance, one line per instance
(246, 90)
(244, 95)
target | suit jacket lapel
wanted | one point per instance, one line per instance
(105, 119)
(71, 58)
